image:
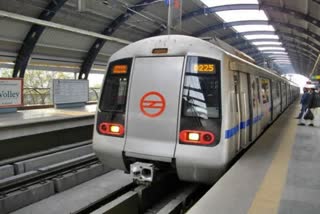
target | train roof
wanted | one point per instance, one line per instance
(183, 45)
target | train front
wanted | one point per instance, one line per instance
(160, 111)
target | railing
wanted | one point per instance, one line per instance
(41, 96)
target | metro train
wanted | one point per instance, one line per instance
(181, 104)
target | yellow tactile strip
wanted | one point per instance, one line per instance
(268, 196)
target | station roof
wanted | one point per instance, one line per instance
(80, 35)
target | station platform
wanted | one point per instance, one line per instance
(29, 122)
(30, 131)
(280, 173)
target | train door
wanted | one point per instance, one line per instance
(236, 80)
(245, 110)
(154, 107)
(254, 105)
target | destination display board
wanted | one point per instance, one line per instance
(11, 92)
(69, 91)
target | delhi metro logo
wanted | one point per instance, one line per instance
(152, 104)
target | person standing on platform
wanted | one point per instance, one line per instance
(303, 102)
(312, 105)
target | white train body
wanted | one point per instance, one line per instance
(183, 104)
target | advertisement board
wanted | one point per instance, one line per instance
(11, 92)
(69, 91)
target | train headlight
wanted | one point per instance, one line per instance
(196, 137)
(111, 129)
(193, 136)
(115, 129)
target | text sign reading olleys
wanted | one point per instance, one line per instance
(152, 104)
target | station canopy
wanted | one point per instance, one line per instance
(81, 35)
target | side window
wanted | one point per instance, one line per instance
(258, 89)
(114, 94)
(236, 88)
(254, 95)
(283, 89)
(265, 90)
(277, 88)
(201, 90)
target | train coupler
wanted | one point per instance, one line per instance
(142, 173)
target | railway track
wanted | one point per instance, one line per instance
(43, 174)
(37, 176)
(166, 196)
(31, 186)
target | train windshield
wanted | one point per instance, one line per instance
(114, 94)
(201, 90)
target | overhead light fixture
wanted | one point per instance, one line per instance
(272, 52)
(250, 28)
(211, 3)
(266, 43)
(242, 15)
(271, 48)
(261, 36)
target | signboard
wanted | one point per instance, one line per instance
(69, 91)
(11, 92)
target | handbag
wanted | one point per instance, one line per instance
(308, 115)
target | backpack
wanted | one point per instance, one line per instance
(316, 101)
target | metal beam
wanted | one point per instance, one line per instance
(315, 66)
(290, 52)
(284, 37)
(228, 25)
(209, 10)
(262, 6)
(255, 22)
(109, 30)
(28, 19)
(236, 35)
(33, 36)
(239, 35)
(293, 45)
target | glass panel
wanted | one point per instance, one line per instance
(114, 95)
(236, 88)
(265, 90)
(201, 91)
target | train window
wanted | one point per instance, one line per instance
(265, 90)
(277, 87)
(275, 90)
(114, 94)
(254, 93)
(258, 89)
(201, 91)
(236, 84)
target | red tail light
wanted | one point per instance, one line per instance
(196, 137)
(112, 129)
